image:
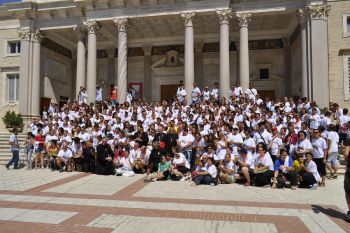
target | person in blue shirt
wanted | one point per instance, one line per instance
(283, 171)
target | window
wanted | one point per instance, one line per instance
(348, 73)
(13, 47)
(264, 74)
(348, 24)
(12, 87)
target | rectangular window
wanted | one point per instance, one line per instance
(348, 24)
(13, 47)
(264, 74)
(13, 87)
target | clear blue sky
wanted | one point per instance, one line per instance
(6, 1)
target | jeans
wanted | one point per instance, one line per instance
(15, 158)
(29, 154)
(188, 155)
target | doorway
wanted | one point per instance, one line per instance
(44, 102)
(168, 92)
(269, 93)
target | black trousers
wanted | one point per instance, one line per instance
(203, 179)
(262, 179)
(308, 180)
(283, 177)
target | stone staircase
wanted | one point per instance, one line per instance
(5, 153)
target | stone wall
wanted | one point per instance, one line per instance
(8, 64)
(336, 42)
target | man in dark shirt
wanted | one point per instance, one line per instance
(163, 139)
(104, 159)
(154, 158)
(140, 136)
(347, 177)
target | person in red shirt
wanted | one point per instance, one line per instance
(113, 93)
(39, 149)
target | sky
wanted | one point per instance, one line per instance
(6, 1)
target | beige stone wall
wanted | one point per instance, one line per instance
(335, 44)
(296, 67)
(8, 64)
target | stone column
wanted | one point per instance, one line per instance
(287, 85)
(319, 53)
(302, 18)
(224, 17)
(92, 27)
(243, 19)
(25, 71)
(111, 76)
(37, 37)
(147, 80)
(122, 24)
(198, 64)
(188, 18)
(81, 59)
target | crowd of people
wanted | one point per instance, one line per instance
(282, 142)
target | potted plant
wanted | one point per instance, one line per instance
(13, 120)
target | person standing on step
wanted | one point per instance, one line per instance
(14, 146)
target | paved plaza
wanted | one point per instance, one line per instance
(42, 201)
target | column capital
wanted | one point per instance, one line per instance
(319, 11)
(224, 15)
(147, 50)
(302, 15)
(188, 18)
(37, 36)
(25, 33)
(80, 30)
(110, 52)
(92, 26)
(243, 18)
(122, 23)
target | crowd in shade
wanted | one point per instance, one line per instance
(246, 139)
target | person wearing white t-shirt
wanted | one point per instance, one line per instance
(310, 176)
(332, 141)
(263, 167)
(186, 144)
(245, 164)
(196, 94)
(275, 144)
(126, 165)
(215, 92)
(251, 92)
(208, 175)
(206, 94)
(235, 139)
(319, 153)
(227, 170)
(65, 155)
(180, 165)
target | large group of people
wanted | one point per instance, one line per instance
(282, 142)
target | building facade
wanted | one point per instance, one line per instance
(285, 47)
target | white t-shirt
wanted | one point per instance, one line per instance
(334, 137)
(312, 167)
(318, 145)
(180, 160)
(126, 163)
(266, 161)
(206, 95)
(251, 93)
(249, 160)
(65, 155)
(184, 140)
(213, 172)
(276, 143)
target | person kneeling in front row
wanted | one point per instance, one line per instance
(284, 171)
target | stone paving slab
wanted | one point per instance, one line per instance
(38, 216)
(127, 224)
(332, 194)
(95, 184)
(21, 180)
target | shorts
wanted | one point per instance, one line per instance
(183, 169)
(321, 166)
(347, 182)
(332, 159)
(38, 150)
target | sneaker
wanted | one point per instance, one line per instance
(347, 216)
(183, 179)
(313, 187)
